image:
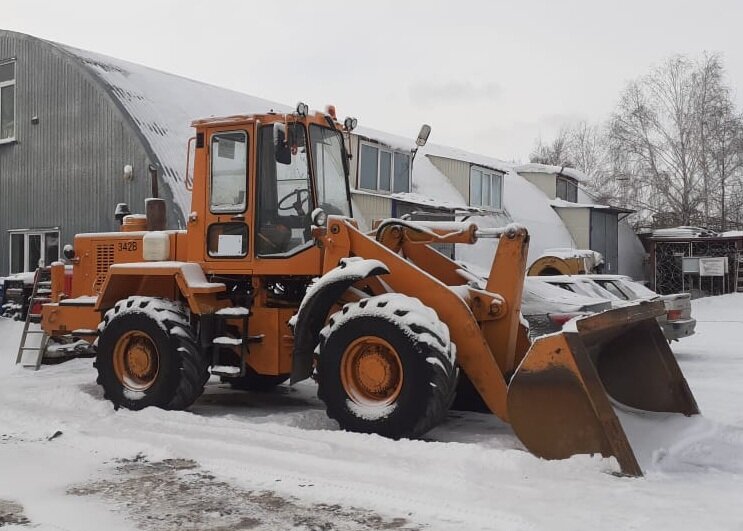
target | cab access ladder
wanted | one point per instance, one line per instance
(40, 294)
(739, 271)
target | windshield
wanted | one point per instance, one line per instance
(594, 290)
(330, 176)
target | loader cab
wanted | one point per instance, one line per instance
(257, 181)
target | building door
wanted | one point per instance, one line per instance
(604, 239)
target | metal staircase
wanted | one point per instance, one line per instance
(39, 295)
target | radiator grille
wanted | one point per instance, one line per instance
(104, 259)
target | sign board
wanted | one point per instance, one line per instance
(690, 264)
(712, 267)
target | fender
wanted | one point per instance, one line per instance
(320, 297)
(161, 279)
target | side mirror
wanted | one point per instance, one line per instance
(423, 135)
(282, 152)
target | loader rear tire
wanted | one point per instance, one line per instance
(386, 365)
(148, 355)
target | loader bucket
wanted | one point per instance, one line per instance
(560, 398)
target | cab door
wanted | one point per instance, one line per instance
(228, 203)
(285, 199)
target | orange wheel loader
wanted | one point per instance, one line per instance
(273, 280)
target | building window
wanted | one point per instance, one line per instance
(7, 101)
(567, 189)
(382, 169)
(30, 249)
(486, 188)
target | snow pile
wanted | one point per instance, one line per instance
(283, 443)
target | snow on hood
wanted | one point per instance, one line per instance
(539, 297)
(163, 106)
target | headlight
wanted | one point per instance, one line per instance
(319, 217)
(302, 109)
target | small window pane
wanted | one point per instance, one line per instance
(329, 170)
(402, 173)
(229, 172)
(475, 187)
(368, 167)
(7, 112)
(34, 252)
(561, 189)
(385, 171)
(572, 194)
(17, 253)
(485, 189)
(51, 248)
(495, 201)
(228, 240)
(7, 72)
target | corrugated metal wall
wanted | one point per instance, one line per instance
(67, 170)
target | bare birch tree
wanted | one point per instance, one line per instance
(672, 149)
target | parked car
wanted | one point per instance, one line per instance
(585, 286)
(547, 307)
(677, 322)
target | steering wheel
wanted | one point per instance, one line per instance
(300, 195)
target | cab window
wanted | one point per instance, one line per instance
(229, 172)
(284, 195)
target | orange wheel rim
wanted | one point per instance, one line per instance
(136, 361)
(371, 371)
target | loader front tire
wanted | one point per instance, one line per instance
(148, 355)
(386, 365)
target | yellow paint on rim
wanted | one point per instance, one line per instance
(371, 371)
(136, 361)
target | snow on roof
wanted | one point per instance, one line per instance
(534, 167)
(683, 232)
(163, 106)
(400, 143)
(561, 203)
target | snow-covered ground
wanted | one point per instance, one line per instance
(239, 460)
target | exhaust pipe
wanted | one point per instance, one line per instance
(154, 206)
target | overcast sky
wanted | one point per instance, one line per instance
(488, 76)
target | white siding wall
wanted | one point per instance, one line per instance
(370, 207)
(546, 182)
(457, 171)
(631, 253)
(578, 222)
